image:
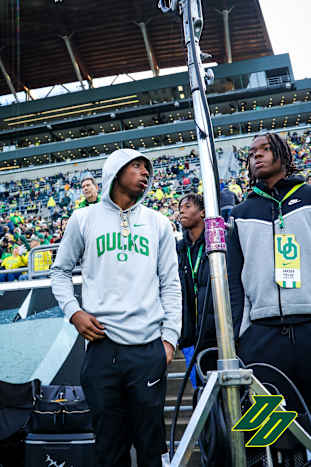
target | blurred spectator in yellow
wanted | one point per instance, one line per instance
(42, 259)
(13, 261)
(236, 189)
(159, 194)
(51, 204)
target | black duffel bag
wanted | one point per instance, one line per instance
(61, 409)
(16, 406)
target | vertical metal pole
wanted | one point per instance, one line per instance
(215, 241)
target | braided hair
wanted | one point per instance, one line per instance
(281, 151)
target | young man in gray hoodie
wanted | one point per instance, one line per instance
(131, 309)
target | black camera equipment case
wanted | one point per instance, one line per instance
(72, 450)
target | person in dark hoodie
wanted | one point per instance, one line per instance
(228, 199)
(269, 268)
(131, 311)
(194, 275)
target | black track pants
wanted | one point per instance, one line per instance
(287, 348)
(125, 386)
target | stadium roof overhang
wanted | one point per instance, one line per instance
(49, 42)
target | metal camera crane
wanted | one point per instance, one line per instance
(228, 378)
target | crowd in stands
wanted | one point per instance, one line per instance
(35, 212)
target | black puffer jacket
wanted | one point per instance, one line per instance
(191, 324)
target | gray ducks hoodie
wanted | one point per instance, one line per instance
(130, 284)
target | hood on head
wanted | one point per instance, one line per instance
(114, 163)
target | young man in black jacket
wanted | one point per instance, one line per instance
(194, 275)
(269, 268)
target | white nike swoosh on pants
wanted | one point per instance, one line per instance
(153, 383)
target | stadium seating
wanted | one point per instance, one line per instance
(36, 206)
